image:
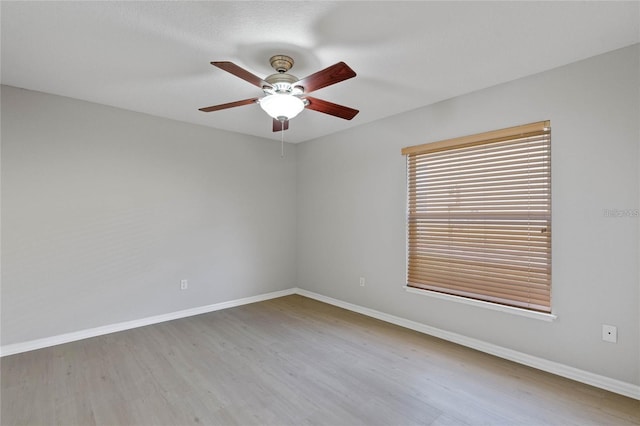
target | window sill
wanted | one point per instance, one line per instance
(487, 305)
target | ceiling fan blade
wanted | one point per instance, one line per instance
(277, 125)
(234, 69)
(229, 105)
(326, 77)
(330, 108)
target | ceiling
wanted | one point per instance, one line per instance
(154, 57)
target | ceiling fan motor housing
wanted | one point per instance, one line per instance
(282, 83)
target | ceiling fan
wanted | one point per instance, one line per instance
(285, 96)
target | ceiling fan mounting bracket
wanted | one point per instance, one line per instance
(281, 63)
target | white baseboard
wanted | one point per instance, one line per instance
(602, 382)
(121, 326)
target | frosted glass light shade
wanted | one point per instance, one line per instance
(279, 105)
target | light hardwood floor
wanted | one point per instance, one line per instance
(289, 361)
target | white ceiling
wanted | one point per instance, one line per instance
(154, 57)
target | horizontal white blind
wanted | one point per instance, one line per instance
(479, 217)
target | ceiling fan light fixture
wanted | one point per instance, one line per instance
(282, 105)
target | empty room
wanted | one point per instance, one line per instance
(320, 213)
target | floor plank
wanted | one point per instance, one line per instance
(289, 361)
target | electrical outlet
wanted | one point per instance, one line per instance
(609, 333)
(361, 281)
(184, 284)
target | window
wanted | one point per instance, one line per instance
(479, 216)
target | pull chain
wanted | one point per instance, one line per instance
(282, 120)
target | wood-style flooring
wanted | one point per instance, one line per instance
(289, 361)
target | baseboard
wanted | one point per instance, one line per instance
(602, 382)
(31, 345)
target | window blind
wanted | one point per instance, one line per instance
(479, 216)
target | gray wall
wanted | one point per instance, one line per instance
(104, 211)
(351, 212)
